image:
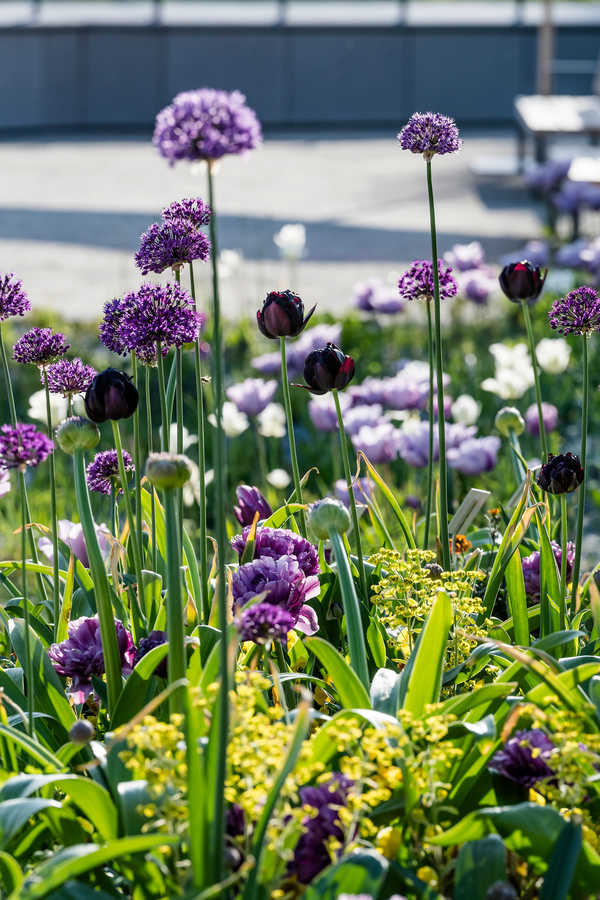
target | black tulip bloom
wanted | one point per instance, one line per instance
(522, 281)
(282, 315)
(154, 639)
(249, 502)
(328, 369)
(561, 474)
(111, 395)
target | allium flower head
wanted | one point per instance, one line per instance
(13, 299)
(577, 313)
(281, 582)
(23, 446)
(103, 471)
(430, 133)
(417, 282)
(276, 542)
(252, 395)
(40, 346)
(531, 568)
(206, 124)
(173, 243)
(154, 314)
(190, 209)
(524, 758)
(264, 623)
(561, 474)
(69, 377)
(81, 656)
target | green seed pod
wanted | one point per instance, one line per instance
(509, 419)
(77, 433)
(328, 515)
(82, 732)
(168, 471)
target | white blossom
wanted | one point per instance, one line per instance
(514, 372)
(37, 407)
(466, 409)
(553, 355)
(279, 478)
(271, 421)
(291, 240)
(234, 422)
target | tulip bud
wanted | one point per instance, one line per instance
(77, 433)
(522, 281)
(282, 315)
(561, 474)
(82, 732)
(111, 395)
(167, 471)
(328, 369)
(328, 515)
(509, 419)
(250, 501)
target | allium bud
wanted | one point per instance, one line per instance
(561, 474)
(82, 732)
(111, 395)
(168, 471)
(509, 419)
(282, 315)
(77, 433)
(328, 369)
(328, 515)
(522, 281)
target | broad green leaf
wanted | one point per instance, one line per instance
(422, 675)
(376, 642)
(15, 813)
(348, 685)
(552, 611)
(515, 588)
(32, 747)
(135, 691)
(10, 872)
(354, 627)
(467, 702)
(360, 873)
(132, 795)
(281, 515)
(479, 864)
(561, 867)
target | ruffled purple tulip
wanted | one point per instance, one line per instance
(276, 542)
(280, 582)
(560, 474)
(524, 758)
(358, 417)
(249, 502)
(362, 488)
(379, 444)
(464, 257)
(475, 455)
(549, 415)
(253, 395)
(531, 568)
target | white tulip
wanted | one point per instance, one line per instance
(37, 407)
(234, 422)
(279, 478)
(553, 355)
(466, 409)
(271, 421)
(291, 240)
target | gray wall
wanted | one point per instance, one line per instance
(93, 76)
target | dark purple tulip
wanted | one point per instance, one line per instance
(154, 639)
(561, 474)
(111, 395)
(250, 501)
(522, 281)
(523, 757)
(282, 315)
(328, 369)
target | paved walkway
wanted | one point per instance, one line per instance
(71, 212)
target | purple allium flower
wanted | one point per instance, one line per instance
(206, 124)
(362, 416)
(362, 488)
(190, 209)
(13, 299)
(560, 474)
(430, 133)
(170, 244)
(475, 455)
(550, 416)
(252, 395)
(81, 656)
(312, 853)
(40, 346)
(379, 444)
(531, 568)
(577, 313)
(23, 446)
(283, 583)
(103, 471)
(264, 623)
(376, 296)
(71, 534)
(69, 376)
(110, 326)
(154, 314)
(154, 639)
(465, 257)
(523, 759)
(249, 502)
(417, 282)
(276, 542)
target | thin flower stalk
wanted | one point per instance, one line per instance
(175, 622)
(536, 376)
(53, 515)
(443, 522)
(137, 445)
(26, 618)
(162, 392)
(563, 558)
(149, 441)
(135, 549)
(428, 500)
(582, 458)
(201, 465)
(292, 440)
(351, 498)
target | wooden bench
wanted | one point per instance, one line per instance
(540, 118)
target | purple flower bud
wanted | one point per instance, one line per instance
(154, 639)
(561, 474)
(250, 501)
(522, 281)
(111, 395)
(282, 315)
(549, 414)
(523, 759)
(328, 369)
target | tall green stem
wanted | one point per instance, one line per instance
(150, 443)
(563, 559)
(53, 515)
(218, 842)
(174, 603)
(135, 550)
(137, 452)
(162, 391)
(351, 498)
(428, 501)
(201, 465)
(27, 635)
(102, 592)
(290, 426)
(582, 486)
(536, 377)
(443, 524)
